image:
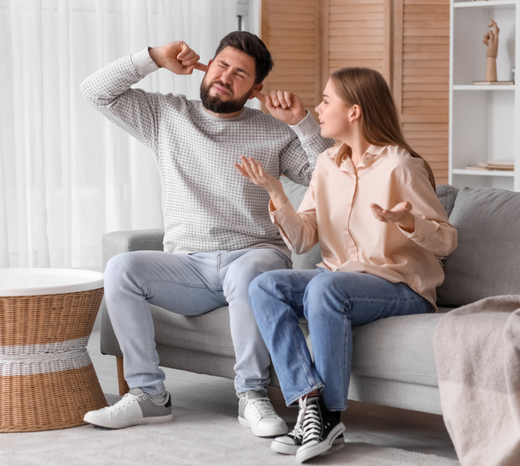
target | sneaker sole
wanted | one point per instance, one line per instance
(286, 449)
(305, 453)
(136, 422)
(271, 432)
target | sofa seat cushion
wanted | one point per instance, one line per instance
(207, 333)
(396, 348)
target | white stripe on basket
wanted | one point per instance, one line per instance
(42, 359)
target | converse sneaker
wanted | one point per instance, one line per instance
(289, 444)
(256, 412)
(320, 428)
(133, 409)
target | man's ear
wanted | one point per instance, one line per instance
(257, 87)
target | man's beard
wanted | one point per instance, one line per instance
(216, 105)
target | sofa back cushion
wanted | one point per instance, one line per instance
(447, 195)
(487, 259)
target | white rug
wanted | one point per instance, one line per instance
(193, 438)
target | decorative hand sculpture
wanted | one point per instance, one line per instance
(491, 40)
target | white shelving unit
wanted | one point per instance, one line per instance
(484, 120)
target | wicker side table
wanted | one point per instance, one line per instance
(47, 380)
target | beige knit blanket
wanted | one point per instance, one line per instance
(477, 352)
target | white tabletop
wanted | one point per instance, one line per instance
(30, 282)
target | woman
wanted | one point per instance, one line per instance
(372, 207)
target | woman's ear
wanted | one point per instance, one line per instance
(355, 112)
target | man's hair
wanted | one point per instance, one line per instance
(254, 47)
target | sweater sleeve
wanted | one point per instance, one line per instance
(299, 157)
(134, 110)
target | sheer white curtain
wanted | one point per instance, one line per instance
(67, 176)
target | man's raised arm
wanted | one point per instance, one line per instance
(134, 110)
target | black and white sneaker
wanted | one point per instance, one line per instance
(289, 444)
(320, 427)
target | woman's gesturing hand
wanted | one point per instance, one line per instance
(400, 214)
(253, 170)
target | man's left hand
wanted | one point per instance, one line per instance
(284, 105)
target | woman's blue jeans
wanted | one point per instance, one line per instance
(332, 303)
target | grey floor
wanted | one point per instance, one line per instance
(378, 425)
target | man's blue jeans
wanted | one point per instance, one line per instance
(189, 285)
(332, 302)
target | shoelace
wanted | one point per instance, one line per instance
(312, 423)
(297, 432)
(262, 405)
(122, 403)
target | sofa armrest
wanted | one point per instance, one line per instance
(118, 242)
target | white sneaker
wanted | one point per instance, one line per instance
(133, 409)
(256, 412)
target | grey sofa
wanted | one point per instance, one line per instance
(393, 360)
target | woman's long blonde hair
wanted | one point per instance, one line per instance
(379, 120)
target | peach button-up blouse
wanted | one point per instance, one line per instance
(336, 213)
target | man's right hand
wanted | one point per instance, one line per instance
(177, 57)
(286, 106)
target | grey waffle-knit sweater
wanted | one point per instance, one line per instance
(209, 205)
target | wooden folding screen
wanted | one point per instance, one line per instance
(421, 77)
(406, 40)
(356, 33)
(292, 31)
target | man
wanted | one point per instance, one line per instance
(218, 235)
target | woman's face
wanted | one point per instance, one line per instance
(334, 115)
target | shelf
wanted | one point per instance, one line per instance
(463, 171)
(484, 119)
(488, 4)
(471, 87)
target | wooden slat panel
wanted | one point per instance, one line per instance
(360, 16)
(410, 118)
(359, 35)
(274, 9)
(291, 29)
(356, 41)
(311, 38)
(426, 87)
(424, 95)
(432, 48)
(421, 83)
(431, 127)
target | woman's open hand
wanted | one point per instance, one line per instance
(400, 214)
(253, 170)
